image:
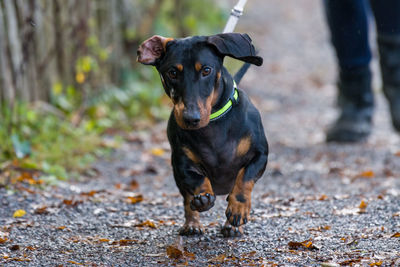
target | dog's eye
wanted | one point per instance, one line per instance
(172, 74)
(206, 71)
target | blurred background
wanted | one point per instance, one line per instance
(69, 76)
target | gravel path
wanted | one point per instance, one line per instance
(317, 204)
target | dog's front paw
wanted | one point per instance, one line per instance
(238, 210)
(191, 228)
(230, 231)
(202, 202)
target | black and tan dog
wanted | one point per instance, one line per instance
(216, 135)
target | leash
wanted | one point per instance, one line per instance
(236, 12)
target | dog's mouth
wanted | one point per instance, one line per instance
(192, 121)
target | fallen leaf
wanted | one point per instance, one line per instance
(396, 234)
(14, 247)
(74, 262)
(157, 151)
(366, 174)
(125, 242)
(219, 259)
(174, 252)
(377, 263)
(307, 244)
(41, 210)
(3, 240)
(19, 213)
(133, 185)
(147, 223)
(323, 197)
(363, 205)
(135, 199)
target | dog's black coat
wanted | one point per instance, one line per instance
(193, 76)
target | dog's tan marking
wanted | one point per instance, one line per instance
(197, 66)
(243, 146)
(178, 113)
(189, 153)
(216, 86)
(192, 224)
(204, 188)
(205, 109)
(179, 67)
(239, 200)
(165, 42)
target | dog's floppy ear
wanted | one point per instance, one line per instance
(235, 45)
(152, 49)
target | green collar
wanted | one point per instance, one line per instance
(232, 100)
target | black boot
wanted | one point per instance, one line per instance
(356, 103)
(389, 51)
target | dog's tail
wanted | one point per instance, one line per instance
(241, 72)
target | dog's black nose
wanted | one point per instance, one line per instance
(191, 118)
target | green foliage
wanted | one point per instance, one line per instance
(63, 137)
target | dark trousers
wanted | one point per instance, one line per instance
(348, 23)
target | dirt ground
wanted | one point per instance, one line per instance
(317, 204)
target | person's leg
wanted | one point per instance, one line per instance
(387, 17)
(348, 25)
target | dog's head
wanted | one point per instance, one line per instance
(190, 70)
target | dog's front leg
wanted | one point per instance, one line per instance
(239, 200)
(201, 199)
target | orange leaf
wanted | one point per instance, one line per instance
(323, 197)
(74, 262)
(367, 174)
(307, 244)
(3, 240)
(157, 152)
(396, 234)
(146, 223)
(135, 199)
(363, 205)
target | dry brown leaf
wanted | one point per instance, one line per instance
(41, 210)
(377, 263)
(307, 244)
(71, 202)
(125, 242)
(174, 252)
(219, 259)
(133, 185)
(3, 240)
(147, 223)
